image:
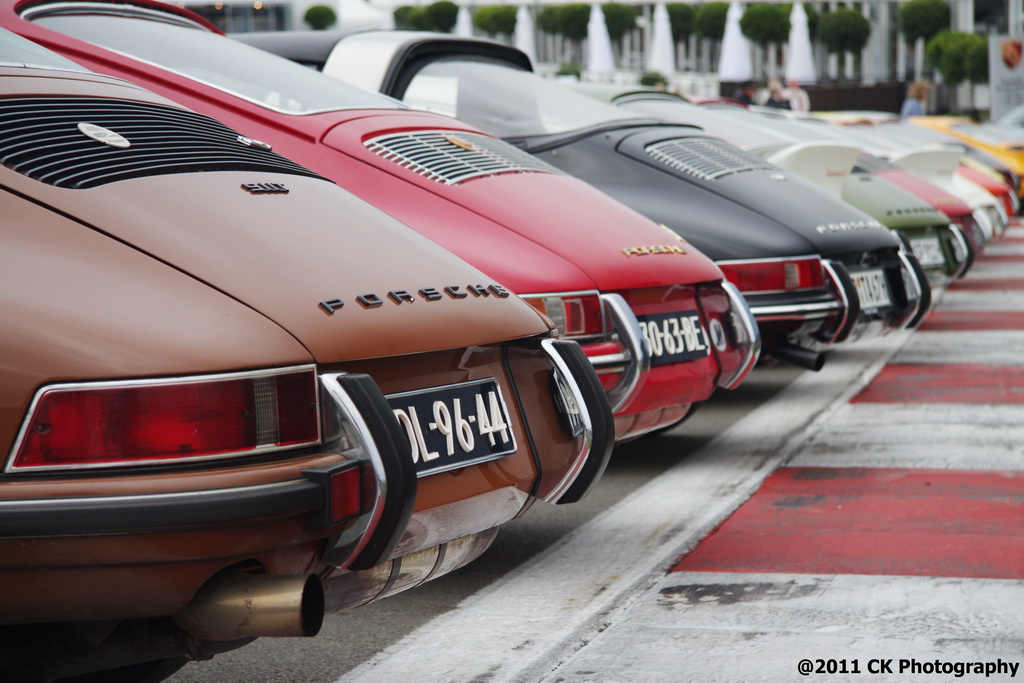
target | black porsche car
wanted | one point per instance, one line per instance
(815, 270)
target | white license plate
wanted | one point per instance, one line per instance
(928, 251)
(674, 337)
(455, 425)
(872, 288)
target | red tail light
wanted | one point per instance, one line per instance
(575, 314)
(774, 275)
(149, 421)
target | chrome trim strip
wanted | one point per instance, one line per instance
(183, 379)
(745, 261)
(567, 381)
(809, 311)
(638, 356)
(609, 362)
(741, 311)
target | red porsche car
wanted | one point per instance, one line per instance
(655, 316)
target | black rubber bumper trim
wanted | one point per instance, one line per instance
(396, 460)
(603, 423)
(108, 515)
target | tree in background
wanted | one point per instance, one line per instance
(959, 57)
(438, 16)
(766, 25)
(407, 17)
(843, 31)
(680, 16)
(619, 18)
(320, 17)
(709, 20)
(570, 22)
(441, 16)
(496, 20)
(923, 18)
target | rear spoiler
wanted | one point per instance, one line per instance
(826, 164)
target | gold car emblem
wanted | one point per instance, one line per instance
(654, 249)
(101, 134)
(459, 142)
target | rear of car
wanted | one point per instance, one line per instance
(217, 422)
(600, 271)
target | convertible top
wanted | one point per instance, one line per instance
(310, 48)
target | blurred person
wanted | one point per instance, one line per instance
(917, 99)
(745, 94)
(799, 100)
(777, 98)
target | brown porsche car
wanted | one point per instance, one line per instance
(232, 395)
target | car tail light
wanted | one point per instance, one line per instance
(575, 314)
(774, 275)
(121, 423)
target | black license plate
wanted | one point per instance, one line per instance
(674, 337)
(454, 426)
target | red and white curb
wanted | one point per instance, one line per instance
(869, 520)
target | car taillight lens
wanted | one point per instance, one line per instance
(152, 421)
(774, 275)
(576, 314)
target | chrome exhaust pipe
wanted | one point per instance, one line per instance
(234, 605)
(797, 355)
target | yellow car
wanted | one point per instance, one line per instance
(1007, 146)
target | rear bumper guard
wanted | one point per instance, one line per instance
(748, 336)
(634, 362)
(588, 417)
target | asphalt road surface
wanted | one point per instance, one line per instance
(350, 638)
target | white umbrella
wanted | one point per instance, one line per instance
(661, 55)
(360, 15)
(463, 23)
(799, 58)
(600, 59)
(525, 39)
(734, 64)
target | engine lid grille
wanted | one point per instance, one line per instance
(453, 157)
(869, 163)
(59, 140)
(705, 158)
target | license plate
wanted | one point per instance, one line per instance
(872, 288)
(928, 251)
(674, 337)
(454, 426)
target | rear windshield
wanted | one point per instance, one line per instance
(505, 101)
(18, 51)
(247, 72)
